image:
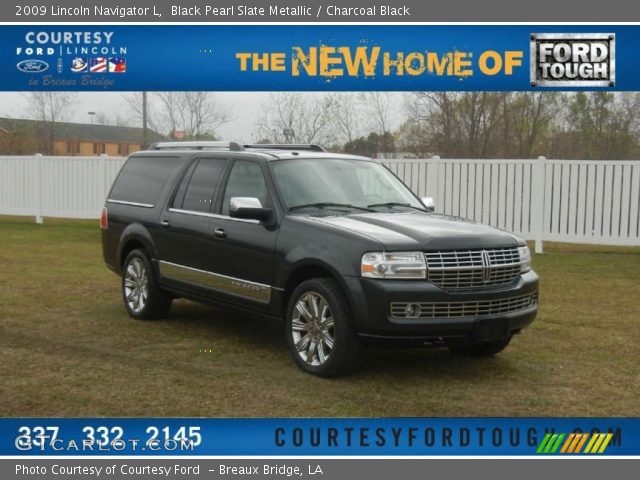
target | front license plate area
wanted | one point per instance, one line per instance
(491, 328)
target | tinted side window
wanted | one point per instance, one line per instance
(202, 183)
(245, 180)
(142, 179)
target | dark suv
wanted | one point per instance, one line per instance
(335, 244)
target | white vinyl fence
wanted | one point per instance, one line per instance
(575, 201)
(71, 187)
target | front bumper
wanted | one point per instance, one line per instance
(371, 301)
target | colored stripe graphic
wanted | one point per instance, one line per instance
(543, 443)
(558, 442)
(551, 443)
(571, 439)
(593, 440)
(583, 440)
(574, 442)
(600, 443)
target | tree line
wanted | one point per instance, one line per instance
(582, 125)
(576, 125)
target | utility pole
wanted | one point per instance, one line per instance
(145, 129)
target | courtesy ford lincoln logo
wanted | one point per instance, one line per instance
(33, 66)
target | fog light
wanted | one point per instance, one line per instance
(412, 310)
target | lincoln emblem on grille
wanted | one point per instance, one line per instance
(486, 266)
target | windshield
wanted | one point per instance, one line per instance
(341, 184)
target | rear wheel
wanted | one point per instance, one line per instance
(483, 349)
(319, 329)
(141, 294)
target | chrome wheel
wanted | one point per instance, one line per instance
(136, 285)
(312, 328)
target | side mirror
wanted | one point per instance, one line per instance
(429, 204)
(248, 208)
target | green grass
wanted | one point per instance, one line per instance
(67, 347)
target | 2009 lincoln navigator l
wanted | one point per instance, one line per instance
(335, 244)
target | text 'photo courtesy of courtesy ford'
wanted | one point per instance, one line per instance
(336, 245)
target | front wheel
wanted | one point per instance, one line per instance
(319, 329)
(141, 294)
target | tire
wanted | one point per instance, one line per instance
(142, 297)
(484, 349)
(319, 329)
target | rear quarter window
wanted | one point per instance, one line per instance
(142, 179)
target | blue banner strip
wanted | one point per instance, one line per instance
(314, 437)
(298, 57)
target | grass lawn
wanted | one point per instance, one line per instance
(67, 347)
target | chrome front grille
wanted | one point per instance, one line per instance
(472, 269)
(480, 308)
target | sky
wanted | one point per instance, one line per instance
(246, 107)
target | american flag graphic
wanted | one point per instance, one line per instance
(117, 65)
(98, 65)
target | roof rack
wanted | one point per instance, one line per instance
(284, 146)
(196, 146)
(233, 146)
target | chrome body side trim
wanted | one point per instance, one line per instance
(132, 204)
(213, 215)
(215, 281)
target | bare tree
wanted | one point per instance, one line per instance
(135, 102)
(411, 137)
(349, 116)
(102, 118)
(121, 121)
(297, 117)
(459, 124)
(48, 108)
(197, 114)
(379, 107)
(528, 118)
(580, 125)
(600, 125)
(19, 139)
(433, 120)
(171, 111)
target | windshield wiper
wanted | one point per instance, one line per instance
(395, 204)
(329, 204)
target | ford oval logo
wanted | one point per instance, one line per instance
(33, 66)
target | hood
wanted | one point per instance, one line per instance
(424, 231)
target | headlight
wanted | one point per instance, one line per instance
(525, 258)
(398, 265)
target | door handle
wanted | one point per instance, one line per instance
(220, 233)
(165, 223)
